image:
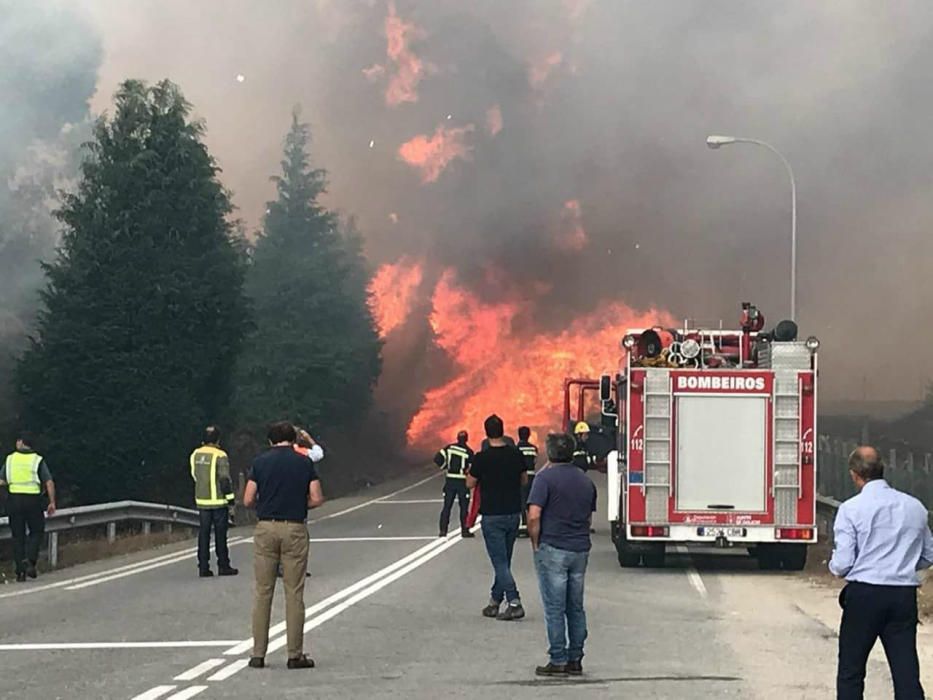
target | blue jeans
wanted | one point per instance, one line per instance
(499, 532)
(560, 577)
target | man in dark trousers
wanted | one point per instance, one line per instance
(499, 473)
(25, 473)
(455, 460)
(530, 453)
(282, 484)
(213, 495)
(560, 509)
(881, 539)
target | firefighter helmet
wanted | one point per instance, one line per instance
(581, 427)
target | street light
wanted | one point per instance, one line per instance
(715, 142)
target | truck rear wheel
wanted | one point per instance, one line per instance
(769, 558)
(627, 557)
(793, 557)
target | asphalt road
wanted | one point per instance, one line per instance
(393, 611)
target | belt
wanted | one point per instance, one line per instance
(530, 472)
(280, 520)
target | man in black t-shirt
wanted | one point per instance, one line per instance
(282, 484)
(499, 473)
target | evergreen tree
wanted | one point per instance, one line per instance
(314, 355)
(144, 312)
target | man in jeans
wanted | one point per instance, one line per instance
(560, 509)
(282, 485)
(499, 473)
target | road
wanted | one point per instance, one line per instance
(395, 612)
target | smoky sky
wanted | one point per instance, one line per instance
(618, 123)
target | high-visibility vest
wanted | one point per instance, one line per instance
(456, 460)
(530, 453)
(22, 473)
(210, 469)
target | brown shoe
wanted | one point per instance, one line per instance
(301, 662)
(552, 670)
(575, 668)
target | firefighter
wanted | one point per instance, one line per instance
(530, 453)
(582, 457)
(24, 474)
(455, 459)
(213, 494)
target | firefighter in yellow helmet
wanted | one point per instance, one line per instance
(213, 494)
(582, 457)
(25, 473)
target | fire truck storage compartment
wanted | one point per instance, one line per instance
(721, 440)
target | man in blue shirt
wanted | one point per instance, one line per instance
(560, 509)
(881, 539)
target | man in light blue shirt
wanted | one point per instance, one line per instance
(881, 540)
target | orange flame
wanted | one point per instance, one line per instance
(572, 235)
(539, 71)
(392, 293)
(518, 376)
(494, 120)
(432, 154)
(404, 68)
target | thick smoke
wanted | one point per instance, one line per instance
(48, 72)
(605, 103)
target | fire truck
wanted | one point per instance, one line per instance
(708, 439)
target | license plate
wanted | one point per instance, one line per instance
(721, 531)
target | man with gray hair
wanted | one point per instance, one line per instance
(881, 540)
(560, 509)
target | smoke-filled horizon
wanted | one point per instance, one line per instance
(558, 145)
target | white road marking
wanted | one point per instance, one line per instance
(141, 569)
(155, 693)
(174, 556)
(200, 669)
(188, 692)
(693, 576)
(375, 500)
(405, 502)
(224, 673)
(419, 538)
(366, 592)
(247, 644)
(80, 646)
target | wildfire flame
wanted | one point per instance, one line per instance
(404, 68)
(432, 154)
(518, 376)
(572, 235)
(494, 120)
(392, 293)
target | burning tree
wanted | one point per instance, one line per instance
(315, 354)
(143, 313)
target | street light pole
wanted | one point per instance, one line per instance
(718, 141)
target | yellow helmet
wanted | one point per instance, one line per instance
(581, 427)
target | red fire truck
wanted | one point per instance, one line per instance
(708, 437)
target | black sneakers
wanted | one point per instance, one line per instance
(228, 571)
(257, 662)
(491, 610)
(513, 611)
(21, 577)
(467, 534)
(301, 662)
(31, 571)
(575, 668)
(551, 670)
(205, 573)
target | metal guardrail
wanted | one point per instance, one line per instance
(108, 514)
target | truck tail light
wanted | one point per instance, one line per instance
(793, 533)
(650, 531)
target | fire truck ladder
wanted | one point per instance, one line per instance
(786, 488)
(658, 415)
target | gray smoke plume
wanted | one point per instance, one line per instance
(606, 103)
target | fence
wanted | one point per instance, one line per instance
(904, 470)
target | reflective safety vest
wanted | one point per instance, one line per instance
(210, 469)
(456, 460)
(582, 458)
(22, 473)
(530, 453)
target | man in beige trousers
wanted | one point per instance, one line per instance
(282, 484)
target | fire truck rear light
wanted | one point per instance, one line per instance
(793, 533)
(650, 531)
